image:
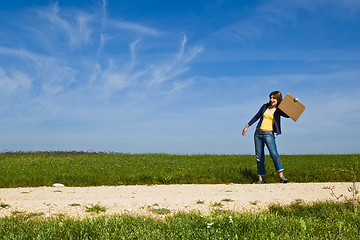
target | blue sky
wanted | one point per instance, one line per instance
(181, 77)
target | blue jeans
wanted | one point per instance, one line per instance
(261, 139)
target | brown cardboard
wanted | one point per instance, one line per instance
(291, 108)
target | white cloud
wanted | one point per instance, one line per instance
(50, 75)
(279, 13)
(14, 82)
(107, 76)
(134, 27)
(114, 80)
(104, 5)
(149, 78)
(115, 77)
(253, 27)
(279, 55)
(177, 66)
(77, 28)
(24, 54)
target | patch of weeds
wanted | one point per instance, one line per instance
(74, 205)
(32, 215)
(25, 192)
(200, 202)
(217, 204)
(355, 201)
(4, 205)
(254, 203)
(95, 208)
(59, 191)
(60, 216)
(227, 200)
(299, 201)
(160, 211)
(17, 213)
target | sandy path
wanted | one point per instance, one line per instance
(72, 201)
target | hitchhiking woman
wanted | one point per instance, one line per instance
(269, 124)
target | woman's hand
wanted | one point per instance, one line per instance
(244, 130)
(296, 99)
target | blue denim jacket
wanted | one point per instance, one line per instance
(277, 114)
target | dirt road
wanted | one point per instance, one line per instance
(72, 201)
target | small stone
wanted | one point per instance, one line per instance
(58, 185)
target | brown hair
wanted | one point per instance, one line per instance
(277, 95)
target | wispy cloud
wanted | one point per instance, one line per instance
(104, 5)
(76, 28)
(253, 27)
(134, 27)
(14, 82)
(50, 76)
(147, 78)
(22, 53)
(314, 55)
(90, 70)
(103, 22)
(177, 66)
(279, 13)
(112, 79)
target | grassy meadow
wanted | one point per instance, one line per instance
(320, 220)
(32, 169)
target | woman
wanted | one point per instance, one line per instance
(269, 124)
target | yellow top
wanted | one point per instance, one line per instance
(268, 120)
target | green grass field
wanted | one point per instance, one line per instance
(297, 221)
(321, 220)
(95, 169)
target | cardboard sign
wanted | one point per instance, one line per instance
(291, 108)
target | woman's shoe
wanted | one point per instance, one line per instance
(260, 182)
(283, 180)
